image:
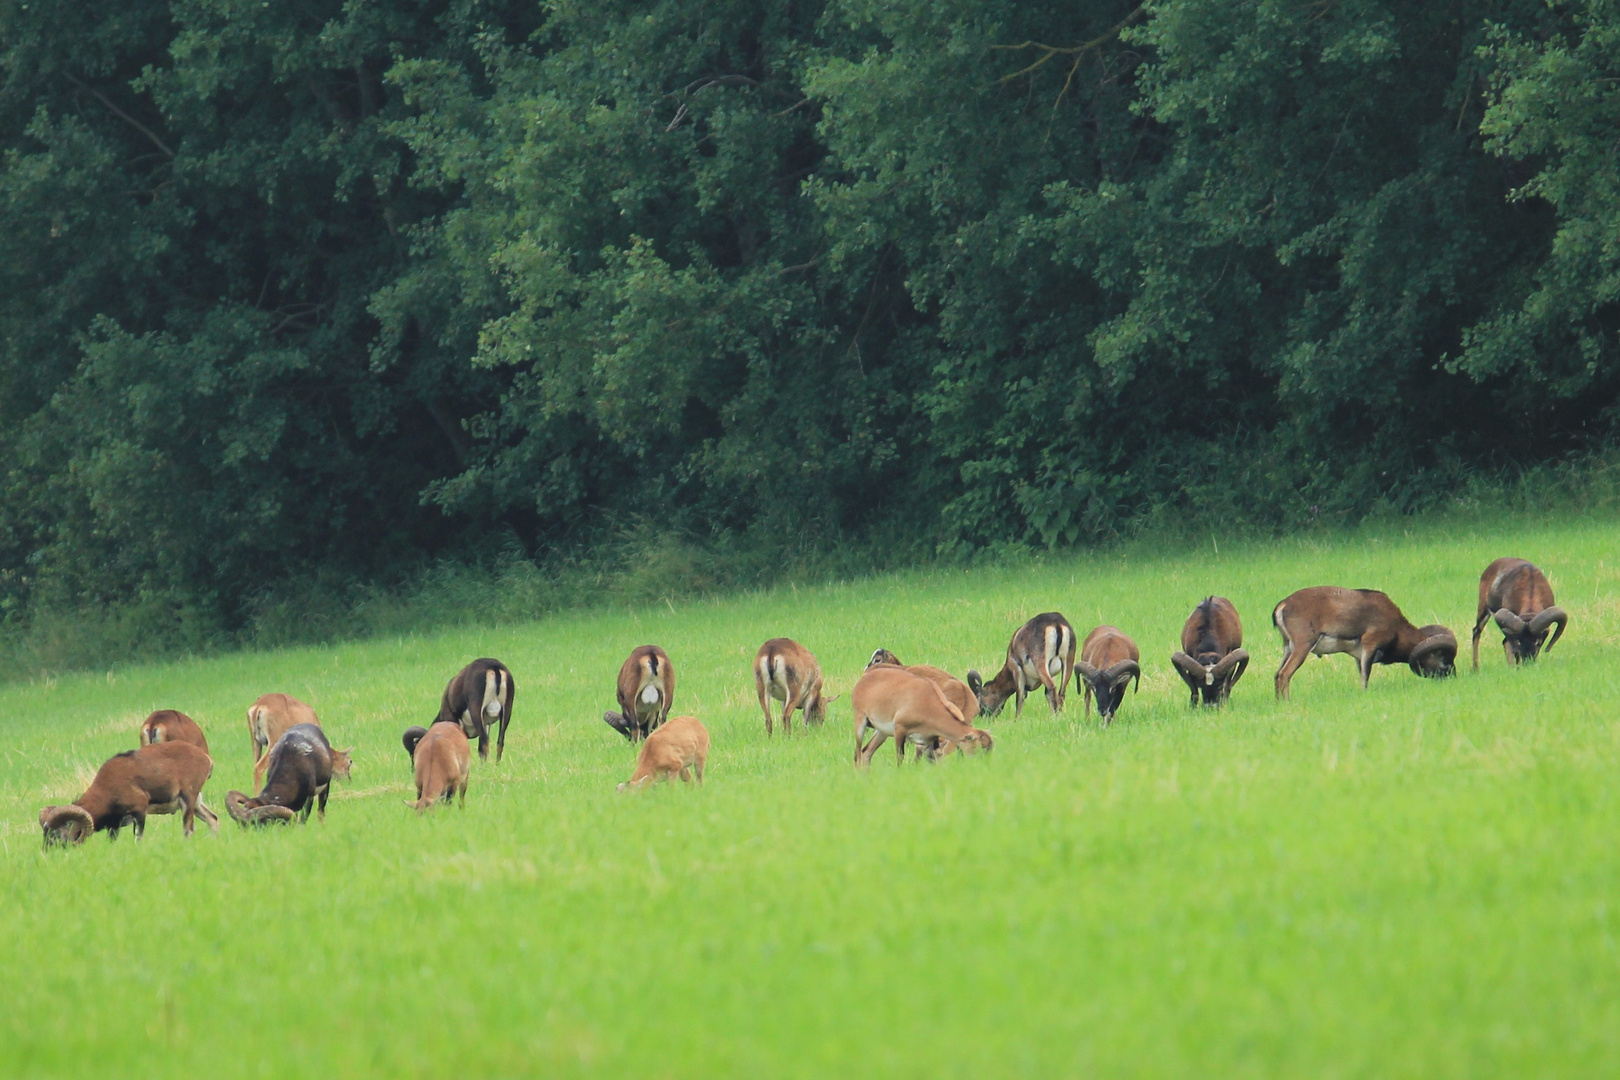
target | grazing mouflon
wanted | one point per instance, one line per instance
(480, 695)
(786, 671)
(1365, 623)
(271, 717)
(442, 757)
(1041, 654)
(956, 691)
(646, 690)
(1211, 659)
(678, 748)
(892, 703)
(1108, 661)
(156, 779)
(1517, 595)
(298, 779)
(171, 725)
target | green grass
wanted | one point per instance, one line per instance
(1416, 881)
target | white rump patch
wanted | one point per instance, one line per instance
(493, 692)
(772, 671)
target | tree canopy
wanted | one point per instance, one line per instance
(289, 289)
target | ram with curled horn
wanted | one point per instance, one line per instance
(1040, 656)
(298, 779)
(1365, 623)
(480, 698)
(1109, 660)
(646, 691)
(1515, 593)
(158, 779)
(1211, 659)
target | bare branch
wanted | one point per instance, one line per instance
(1079, 52)
(811, 265)
(697, 86)
(297, 316)
(451, 427)
(122, 115)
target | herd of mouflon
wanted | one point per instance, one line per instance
(917, 705)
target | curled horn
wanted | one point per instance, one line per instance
(263, 815)
(236, 806)
(1119, 674)
(1441, 641)
(975, 682)
(1086, 671)
(71, 816)
(1192, 671)
(1548, 616)
(617, 722)
(412, 736)
(1509, 622)
(1237, 658)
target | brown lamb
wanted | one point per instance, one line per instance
(680, 747)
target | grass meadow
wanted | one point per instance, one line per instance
(1417, 881)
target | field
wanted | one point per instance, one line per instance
(1422, 880)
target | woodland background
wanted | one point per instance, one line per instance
(318, 315)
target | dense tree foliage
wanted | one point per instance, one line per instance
(330, 287)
